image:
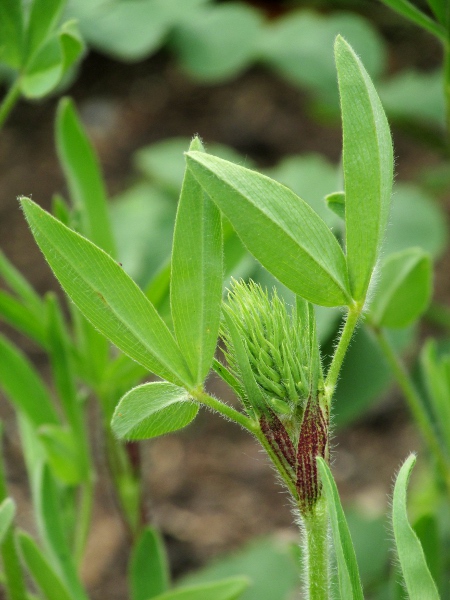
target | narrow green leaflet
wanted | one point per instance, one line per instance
(108, 298)
(81, 168)
(230, 589)
(62, 453)
(348, 573)
(19, 285)
(368, 167)
(23, 386)
(336, 203)
(40, 569)
(197, 272)
(148, 571)
(280, 230)
(404, 289)
(152, 409)
(44, 17)
(414, 14)
(22, 318)
(439, 8)
(418, 580)
(436, 371)
(52, 531)
(7, 513)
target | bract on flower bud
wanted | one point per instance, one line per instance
(274, 354)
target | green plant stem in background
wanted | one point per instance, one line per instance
(351, 321)
(9, 101)
(447, 86)
(14, 581)
(316, 547)
(83, 520)
(415, 403)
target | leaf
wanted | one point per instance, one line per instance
(52, 531)
(278, 228)
(148, 570)
(11, 33)
(7, 514)
(81, 168)
(20, 286)
(439, 9)
(23, 386)
(51, 62)
(299, 46)
(196, 275)
(44, 17)
(348, 573)
(42, 572)
(404, 289)
(368, 167)
(107, 296)
(152, 409)
(266, 562)
(230, 589)
(418, 580)
(415, 15)
(219, 42)
(336, 203)
(62, 453)
(22, 318)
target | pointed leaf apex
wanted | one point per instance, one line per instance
(196, 144)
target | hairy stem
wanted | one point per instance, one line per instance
(9, 101)
(316, 552)
(414, 402)
(354, 312)
(227, 411)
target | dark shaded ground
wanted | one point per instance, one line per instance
(209, 487)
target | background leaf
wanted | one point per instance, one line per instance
(230, 589)
(148, 570)
(152, 409)
(417, 577)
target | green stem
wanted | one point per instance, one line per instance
(9, 101)
(414, 402)
(351, 321)
(83, 520)
(316, 551)
(227, 411)
(447, 85)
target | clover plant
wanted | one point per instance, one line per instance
(274, 362)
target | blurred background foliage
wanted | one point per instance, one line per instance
(257, 81)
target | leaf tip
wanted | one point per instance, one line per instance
(196, 144)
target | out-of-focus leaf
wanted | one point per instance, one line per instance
(7, 513)
(230, 589)
(368, 167)
(62, 453)
(348, 572)
(22, 318)
(41, 570)
(312, 178)
(148, 570)
(365, 374)
(336, 203)
(416, 220)
(164, 163)
(107, 296)
(268, 565)
(24, 387)
(11, 33)
(142, 220)
(153, 409)
(280, 229)
(415, 15)
(300, 46)
(196, 275)
(43, 18)
(403, 290)
(19, 285)
(418, 580)
(51, 62)
(82, 170)
(220, 42)
(427, 530)
(107, 27)
(416, 96)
